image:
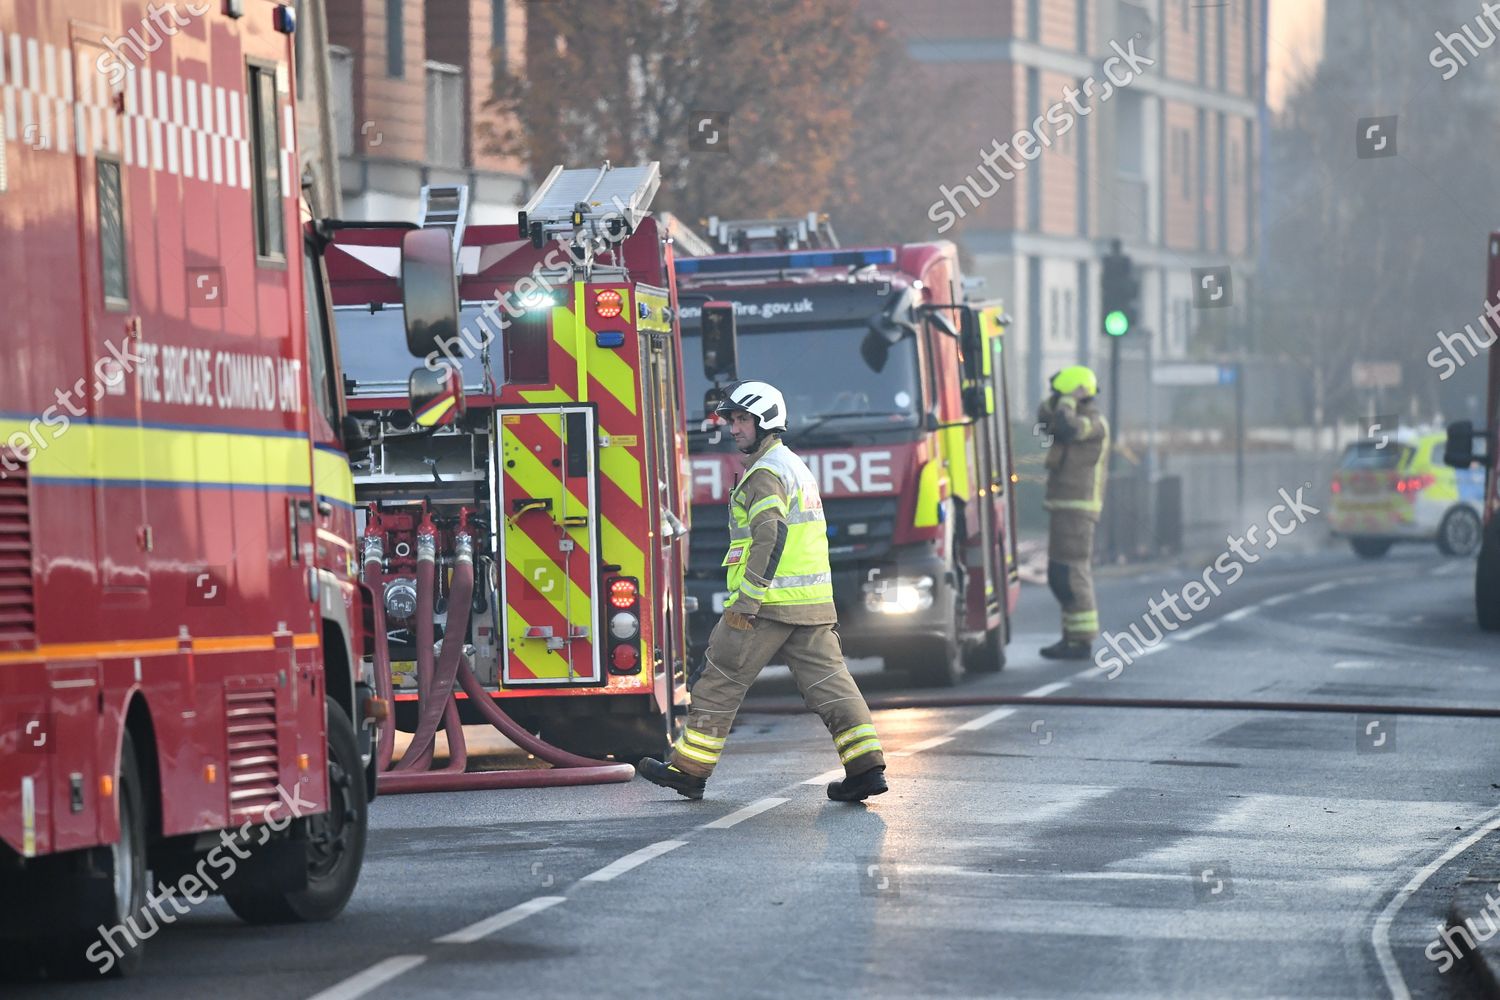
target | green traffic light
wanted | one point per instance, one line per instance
(1116, 324)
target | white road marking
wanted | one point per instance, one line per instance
(1320, 588)
(1356, 664)
(1046, 689)
(984, 720)
(1271, 602)
(500, 921)
(753, 809)
(826, 777)
(1089, 673)
(1381, 934)
(372, 978)
(915, 748)
(1195, 631)
(635, 859)
(1239, 613)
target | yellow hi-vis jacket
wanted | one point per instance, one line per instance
(1077, 461)
(778, 541)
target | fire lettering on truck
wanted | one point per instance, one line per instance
(837, 473)
(227, 380)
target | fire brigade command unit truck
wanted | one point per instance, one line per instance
(180, 626)
(896, 398)
(546, 430)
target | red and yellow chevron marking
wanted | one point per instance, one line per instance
(608, 380)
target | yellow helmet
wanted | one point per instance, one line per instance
(1074, 376)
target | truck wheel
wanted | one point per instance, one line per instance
(988, 657)
(1460, 533)
(1487, 579)
(625, 739)
(935, 662)
(1369, 548)
(81, 953)
(335, 843)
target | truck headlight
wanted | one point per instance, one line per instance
(899, 595)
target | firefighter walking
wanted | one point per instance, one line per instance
(1077, 466)
(780, 606)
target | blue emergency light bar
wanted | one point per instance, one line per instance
(784, 261)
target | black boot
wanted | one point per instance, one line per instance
(1068, 649)
(654, 771)
(859, 787)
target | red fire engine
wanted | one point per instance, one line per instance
(1462, 454)
(896, 397)
(540, 441)
(180, 624)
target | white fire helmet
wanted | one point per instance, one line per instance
(762, 400)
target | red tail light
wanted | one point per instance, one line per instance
(1336, 487)
(1415, 484)
(622, 593)
(609, 303)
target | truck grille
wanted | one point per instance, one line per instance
(254, 757)
(17, 595)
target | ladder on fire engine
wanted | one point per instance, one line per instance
(447, 206)
(592, 210)
(812, 231)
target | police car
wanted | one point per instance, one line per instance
(1395, 488)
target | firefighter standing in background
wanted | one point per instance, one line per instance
(1077, 462)
(780, 605)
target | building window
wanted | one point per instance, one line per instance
(1185, 161)
(1083, 26)
(341, 83)
(497, 36)
(265, 164)
(111, 232)
(1054, 319)
(1187, 8)
(395, 39)
(445, 115)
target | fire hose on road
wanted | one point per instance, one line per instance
(435, 684)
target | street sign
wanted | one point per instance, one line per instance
(1192, 374)
(1376, 374)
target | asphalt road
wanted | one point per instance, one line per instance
(1027, 851)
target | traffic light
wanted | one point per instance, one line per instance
(1119, 292)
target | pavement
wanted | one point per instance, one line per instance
(1027, 851)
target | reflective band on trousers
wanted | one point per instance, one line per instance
(802, 575)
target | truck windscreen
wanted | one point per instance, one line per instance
(824, 376)
(372, 348)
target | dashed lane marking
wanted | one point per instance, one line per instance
(500, 921)
(916, 748)
(827, 776)
(753, 809)
(1195, 631)
(1046, 689)
(372, 978)
(974, 725)
(635, 859)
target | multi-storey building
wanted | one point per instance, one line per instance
(1075, 146)
(411, 83)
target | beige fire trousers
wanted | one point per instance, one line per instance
(816, 659)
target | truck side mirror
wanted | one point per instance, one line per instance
(429, 290)
(977, 401)
(437, 397)
(712, 398)
(1459, 449)
(720, 342)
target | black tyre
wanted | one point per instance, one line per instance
(80, 953)
(1487, 579)
(335, 843)
(1461, 532)
(1370, 548)
(988, 657)
(934, 662)
(627, 739)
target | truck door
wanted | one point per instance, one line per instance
(111, 393)
(549, 542)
